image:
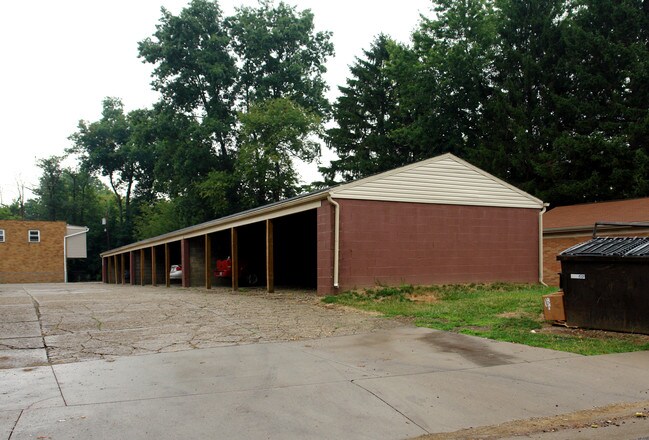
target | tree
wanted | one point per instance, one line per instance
(213, 70)
(107, 147)
(404, 104)
(367, 116)
(521, 117)
(274, 132)
(602, 152)
(195, 71)
(51, 189)
(280, 56)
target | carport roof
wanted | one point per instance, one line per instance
(444, 180)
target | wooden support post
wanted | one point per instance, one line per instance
(235, 260)
(185, 262)
(104, 270)
(131, 266)
(270, 262)
(142, 267)
(116, 268)
(167, 265)
(208, 261)
(154, 273)
(122, 265)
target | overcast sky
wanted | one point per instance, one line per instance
(61, 58)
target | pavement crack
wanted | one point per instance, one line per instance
(13, 428)
(65, 403)
(99, 323)
(37, 309)
(391, 406)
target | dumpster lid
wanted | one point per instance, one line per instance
(611, 246)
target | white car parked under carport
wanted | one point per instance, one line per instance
(176, 272)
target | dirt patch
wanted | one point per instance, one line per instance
(608, 416)
(427, 297)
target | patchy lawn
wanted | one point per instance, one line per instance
(504, 312)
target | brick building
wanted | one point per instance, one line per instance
(32, 251)
(441, 220)
(566, 226)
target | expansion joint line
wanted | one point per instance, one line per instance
(37, 308)
(391, 406)
(13, 428)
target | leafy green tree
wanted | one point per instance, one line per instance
(211, 71)
(157, 219)
(455, 53)
(51, 189)
(194, 69)
(106, 147)
(273, 133)
(10, 212)
(520, 123)
(103, 148)
(367, 116)
(602, 151)
(404, 104)
(280, 55)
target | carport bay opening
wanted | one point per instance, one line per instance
(292, 240)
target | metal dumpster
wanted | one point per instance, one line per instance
(606, 284)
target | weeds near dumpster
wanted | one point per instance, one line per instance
(500, 311)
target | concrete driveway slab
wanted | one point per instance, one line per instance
(450, 401)
(216, 370)
(21, 343)
(221, 364)
(20, 329)
(8, 420)
(18, 313)
(332, 411)
(23, 388)
(411, 350)
(23, 358)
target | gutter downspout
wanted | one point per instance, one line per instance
(336, 237)
(545, 207)
(65, 252)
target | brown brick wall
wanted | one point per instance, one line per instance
(554, 245)
(325, 248)
(394, 243)
(24, 262)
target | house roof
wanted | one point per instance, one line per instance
(444, 179)
(584, 216)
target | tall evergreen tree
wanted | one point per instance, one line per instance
(602, 153)
(521, 119)
(367, 116)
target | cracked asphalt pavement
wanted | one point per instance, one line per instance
(43, 324)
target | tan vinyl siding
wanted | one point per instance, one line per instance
(442, 180)
(76, 245)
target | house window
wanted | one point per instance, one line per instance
(2, 235)
(34, 236)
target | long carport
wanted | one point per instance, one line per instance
(268, 246)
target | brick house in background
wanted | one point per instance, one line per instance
(566, 226)
(32, 251)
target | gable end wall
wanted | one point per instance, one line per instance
(394, 243)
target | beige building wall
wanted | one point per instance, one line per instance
(22, 261)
